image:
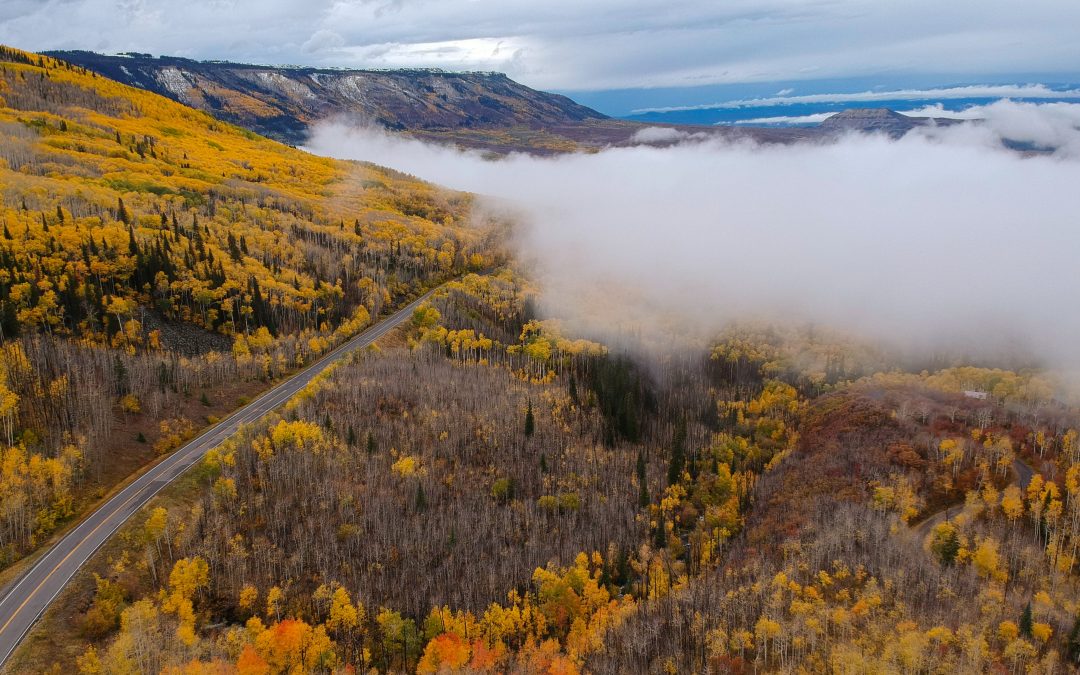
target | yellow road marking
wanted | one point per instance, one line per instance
(71, 553)
(330, 357)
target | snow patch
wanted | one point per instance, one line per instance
(286, 85)
(175, 81)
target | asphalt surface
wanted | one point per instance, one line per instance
(1024, 474)
(25, 600)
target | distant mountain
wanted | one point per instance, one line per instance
(282, 102)
(488, 111)
(878, 120)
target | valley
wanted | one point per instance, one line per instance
(271, 412)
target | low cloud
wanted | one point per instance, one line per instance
(943, 239)
(983, 91)
(660, 135)
(813, 118)
(1047, 125)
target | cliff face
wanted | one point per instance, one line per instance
(283, 102)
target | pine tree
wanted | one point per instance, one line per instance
(1072, 645)
(530, 422)
(421, 499)
(350, 437)
(133, 245)
(1026, 622)
(622, 568)
(643, 481)
(234, 248)
(371, 445)
(120, 376)
(678, 453)
(949, 548)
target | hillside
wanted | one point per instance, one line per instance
(282, 102)
(486, 111)
(171, 265)
(485, 494)
(481, 490)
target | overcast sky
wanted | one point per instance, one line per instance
(582, 44)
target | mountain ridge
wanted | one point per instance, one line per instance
(283, 101)
(480, 110)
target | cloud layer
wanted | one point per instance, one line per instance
(1043, 124)
(941, 239)
(981, 91)
(573, 45)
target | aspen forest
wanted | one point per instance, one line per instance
(153, 257)
(487, 488)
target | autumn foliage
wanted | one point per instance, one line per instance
(149, 251)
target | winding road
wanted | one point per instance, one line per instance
(921, 529)
(25, 600)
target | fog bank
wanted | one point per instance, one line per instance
(943, 239)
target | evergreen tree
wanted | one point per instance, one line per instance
(530, 422)
(9, 321)
(234, 248)
(950, 546)
(1025, 621)
(1072, 645)
(120, 376)
(421, 499)
(643, 481)
(678, 453)
(622, 568)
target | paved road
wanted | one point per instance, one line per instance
(921, 529)
(27, 599)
